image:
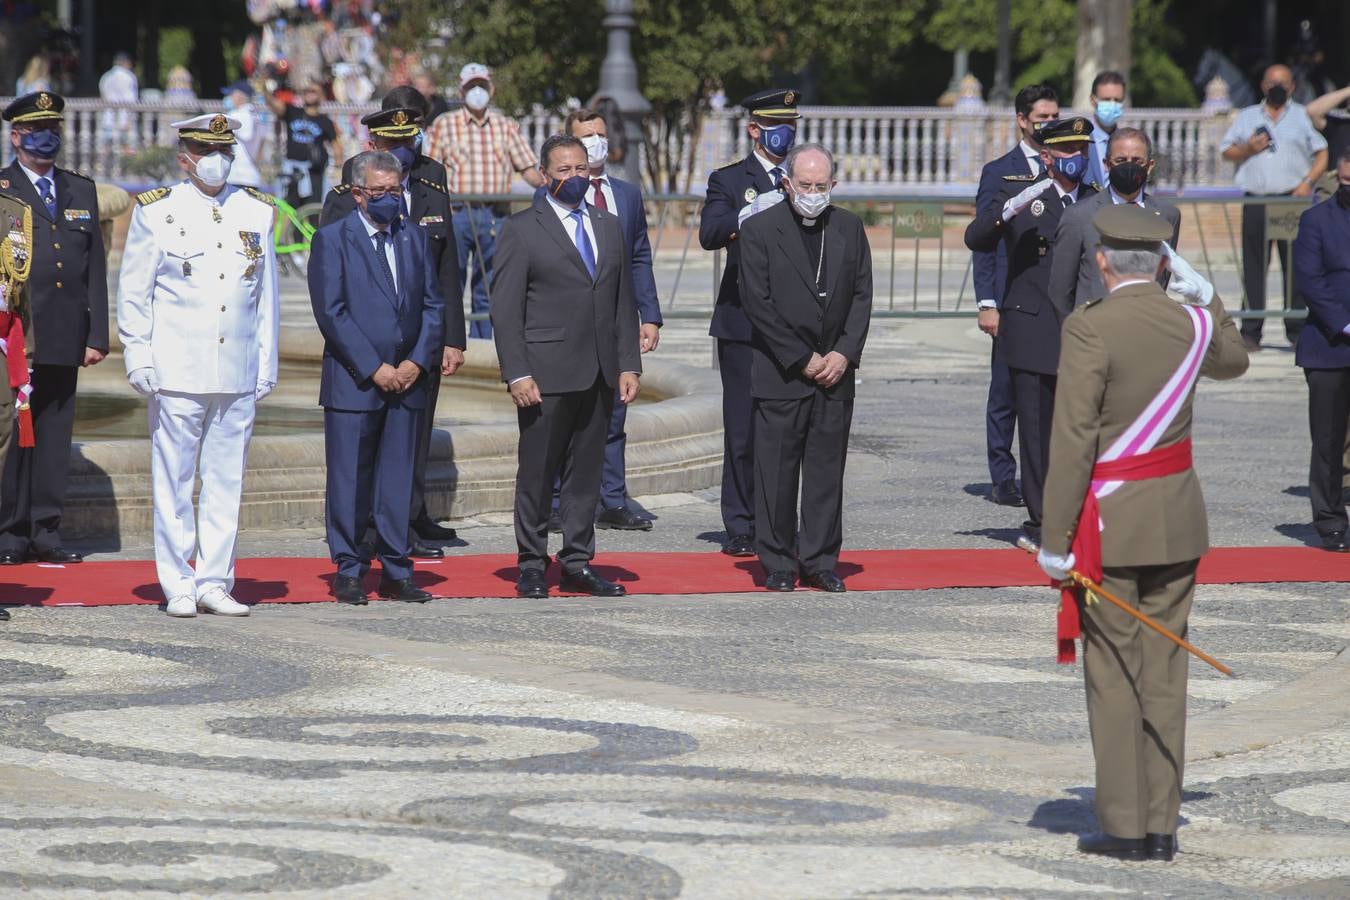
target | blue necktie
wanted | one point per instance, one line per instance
(381, 238)
(776, 176)
(44, 186)
(583, 242)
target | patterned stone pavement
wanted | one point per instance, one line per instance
(731, 746)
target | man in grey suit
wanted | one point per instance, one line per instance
(566, 326)
(1074, 276)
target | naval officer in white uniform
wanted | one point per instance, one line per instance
(197, 312)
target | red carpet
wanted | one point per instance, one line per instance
(288, 580)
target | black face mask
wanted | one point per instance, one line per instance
(1277, 96)
(1127, 178)
(1343, 196)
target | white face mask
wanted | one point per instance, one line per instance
(811, 205)
(597, 149)
(477, 97)
(214, 169)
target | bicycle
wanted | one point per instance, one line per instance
(292, 233)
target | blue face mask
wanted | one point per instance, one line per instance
(42, 144)
(569, 191)
(778, 139)
(1071, 167)
(384, 210)
(406, 156)
(1109, 112)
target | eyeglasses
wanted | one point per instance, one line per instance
(1122, 160)
(379, 193)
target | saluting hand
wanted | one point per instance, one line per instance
(1024, 199)
(526, 393)
(629, 385)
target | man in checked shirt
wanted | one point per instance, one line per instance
(482, 151)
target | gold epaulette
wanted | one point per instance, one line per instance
(732, 164)
(434, 184)
(145, 198)
(342, 189)
(261, 196)
(1020, 177)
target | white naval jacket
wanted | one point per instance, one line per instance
(197, 298)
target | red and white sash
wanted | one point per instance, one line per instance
(1135, 456)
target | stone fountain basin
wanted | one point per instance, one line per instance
(674, 444)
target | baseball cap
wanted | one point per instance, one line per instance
(474, 72)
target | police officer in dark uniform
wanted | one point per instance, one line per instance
(1025, 216)
(397, 128)
(732, 189)
(68, 293)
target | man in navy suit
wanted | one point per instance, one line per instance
(1322, 271)
(377, 299)
(732, 191)
(1034, 104)
(625, 201)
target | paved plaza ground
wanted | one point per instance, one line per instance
(889, 744)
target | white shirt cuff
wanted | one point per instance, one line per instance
(987, 304)
(521, 378)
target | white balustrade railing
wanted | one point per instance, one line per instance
(910, 150)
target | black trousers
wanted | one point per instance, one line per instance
(800, 442)
(1255, 262)
(738, 437)
(33, 491)
(1034, 400)
(565, 434)
(1000, 420)
(419, 494)
(1328, 412)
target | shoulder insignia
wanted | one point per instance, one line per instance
(342, 189)
(435, 185)
(1020, 177)
(145, 198)
(77, 174)
(730, 165)
(1093, 302)
(261, 196)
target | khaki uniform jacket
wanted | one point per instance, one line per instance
(1116, 356)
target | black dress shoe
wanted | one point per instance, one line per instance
(587, 581)
(1161, 847)
(60, 556)
(554, 523)
(402, 590)
(1103, 844)
(532, 584)
(1005, 493)
(1033, 532)
(420, 550)
(4, 614)
(1253, 344)
(781, 581)
(11, 558)
(348, 590)
(825, 581)
(740, 545)
(623, 519)
(1335, 542)
(429, 530)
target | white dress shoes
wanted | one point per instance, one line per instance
(184, 606)
(220, 603)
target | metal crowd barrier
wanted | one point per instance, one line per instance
(921, 267)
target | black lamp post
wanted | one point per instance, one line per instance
(619, 83)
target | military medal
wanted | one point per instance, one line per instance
(1037, 207)
(215, 214)
(252, 250)
(750, 195)
(187, 268)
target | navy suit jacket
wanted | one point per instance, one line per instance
(633, 223)
(1322, 272)
(364, 324)
(991, 267)
(730, 188)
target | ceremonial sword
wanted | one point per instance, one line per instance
(1025, 543)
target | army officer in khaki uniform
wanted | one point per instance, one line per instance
(1122, 490)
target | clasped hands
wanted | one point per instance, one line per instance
(826, 370)
(396, 380)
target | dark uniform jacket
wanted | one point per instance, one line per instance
(1322, 267)
(68, 283)
(431, 211)
(781, 298)
(730, 188)
(1029, 325)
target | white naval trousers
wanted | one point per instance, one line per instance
(192, 434)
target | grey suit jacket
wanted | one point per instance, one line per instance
(1074, 276)
(550, 319)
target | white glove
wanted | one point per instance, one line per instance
(263, 389)
(144, 381)
(1023, 200)
(1057, 567)
(757, 205)
(1185, 280)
